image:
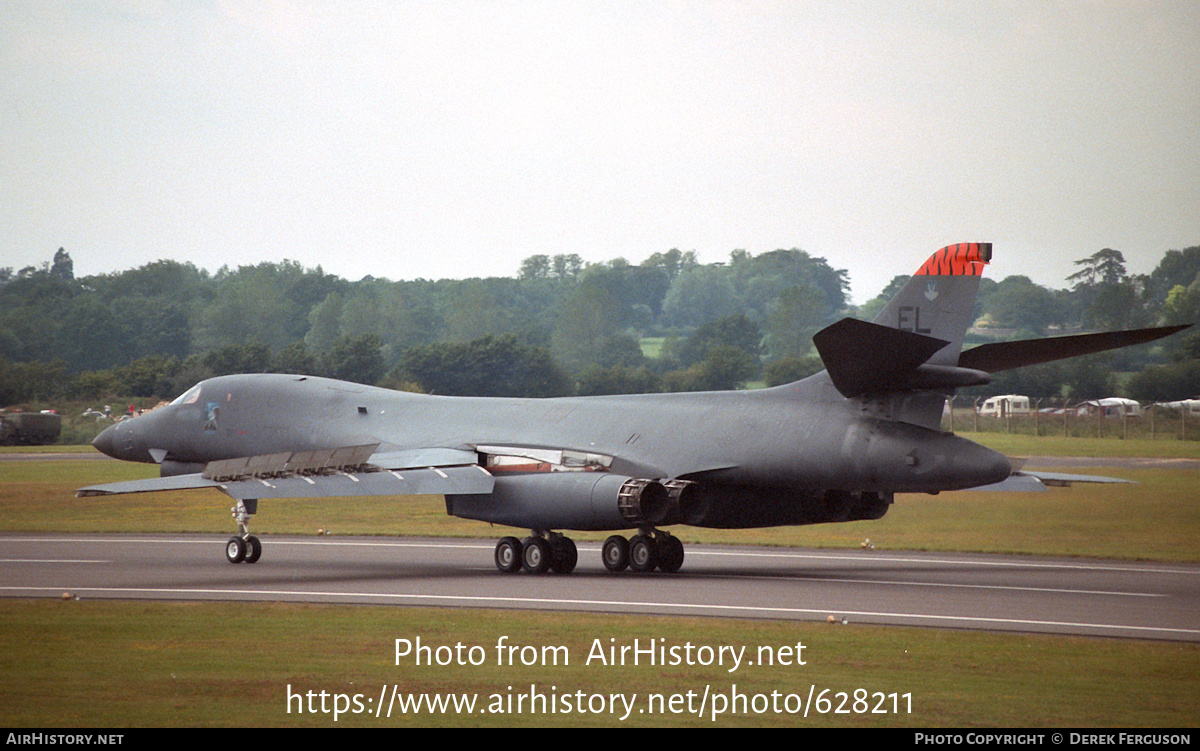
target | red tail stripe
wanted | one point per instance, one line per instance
(961, 259)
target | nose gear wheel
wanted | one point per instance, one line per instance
(245, 547)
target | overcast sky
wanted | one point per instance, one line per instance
(453, 139)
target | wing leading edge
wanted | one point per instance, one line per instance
(348, 471)
(1027, 481)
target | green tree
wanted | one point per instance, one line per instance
(1177, 268)
(871, 308)
(791, 369)
(358, 359)
(723, 368)
(1106, 266)
(1183, 303)
(619, 379)
(535, 267)
(151, 376)
(735, 331)
(1166, 383)
(63, 267)
(491, 366)
(671, 263)
(92, 336)
(25, 382)
(761, 280)
(1018, 303)
(325, 323)
(295, 359)
(1104, 294)
(567, 266)
(1039, 381)
(251, 357)
(698, 295)
(1089, 377)
(266, 303)
(589, 318)
(798, 313)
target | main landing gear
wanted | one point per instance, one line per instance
(644, 552)
(243, 548)
(537, 554)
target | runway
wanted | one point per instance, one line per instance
(994, 593)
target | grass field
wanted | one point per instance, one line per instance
(113, 664)
(100, 664)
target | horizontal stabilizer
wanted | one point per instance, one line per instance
(866, 357)
(993, 358)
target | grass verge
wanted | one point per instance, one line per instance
(106, 664)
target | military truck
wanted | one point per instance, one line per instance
(30, 428)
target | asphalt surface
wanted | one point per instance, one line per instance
(995, 593)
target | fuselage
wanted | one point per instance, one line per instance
(804, 435)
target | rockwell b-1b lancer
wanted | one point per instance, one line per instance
(833, 447)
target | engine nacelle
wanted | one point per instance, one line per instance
(567, 500)
(731, 507)
(689, 502)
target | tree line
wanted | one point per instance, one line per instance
(560, 327)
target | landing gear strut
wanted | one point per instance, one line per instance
(244, 547)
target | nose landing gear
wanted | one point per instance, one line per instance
(243, 548)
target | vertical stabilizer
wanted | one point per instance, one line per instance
(939, 299)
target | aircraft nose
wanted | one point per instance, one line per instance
(982, 464)
(106, 441)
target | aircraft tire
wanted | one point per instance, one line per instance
(508, 555)
(535, 555)
(563, 555)
(642, 554)
(615, 553)
(670, 554)
(235, 550)
(253, 549)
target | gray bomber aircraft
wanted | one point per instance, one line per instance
(833, 447)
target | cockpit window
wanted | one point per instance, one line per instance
(191, 396)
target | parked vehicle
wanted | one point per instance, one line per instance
(32, 428)
(1113, 407)
(1005, 405)
(1190, 406)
